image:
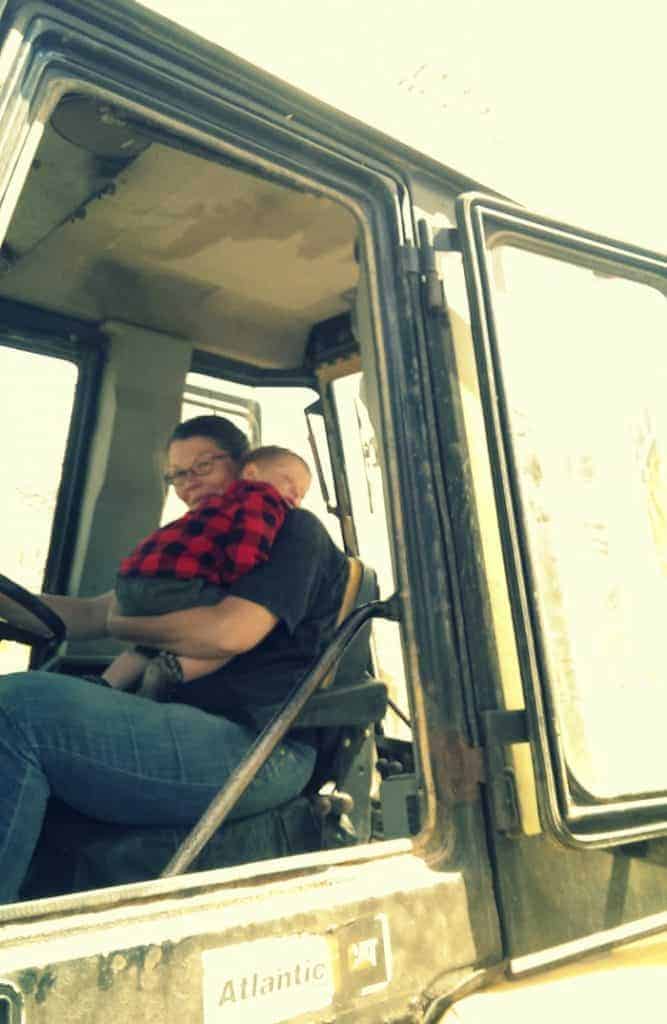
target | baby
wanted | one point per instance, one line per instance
(189, 562)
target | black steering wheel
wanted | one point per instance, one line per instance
(37, 608)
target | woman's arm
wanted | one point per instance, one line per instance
(84, 617)
(221, 631)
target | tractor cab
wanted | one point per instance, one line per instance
(478, 391)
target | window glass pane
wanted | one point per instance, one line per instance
(319, 431)
(267, 415)
(364, 476)
(37, 398)
(584, 360)
(206, 395)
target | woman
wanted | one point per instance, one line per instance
(120, 758)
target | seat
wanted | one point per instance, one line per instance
(76, 853)
(346, 747)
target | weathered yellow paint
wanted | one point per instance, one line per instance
(617, 982)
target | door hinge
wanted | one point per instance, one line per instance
(500, 729)
(505, 803)
(432, 287)
(421, 260)
(447, 240)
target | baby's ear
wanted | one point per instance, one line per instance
(250, 471)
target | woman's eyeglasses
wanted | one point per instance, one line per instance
(200, 467)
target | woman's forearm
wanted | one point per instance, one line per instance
(221, 631)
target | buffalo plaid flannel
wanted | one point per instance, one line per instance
(219, 541)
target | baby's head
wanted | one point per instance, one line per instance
(285, 470)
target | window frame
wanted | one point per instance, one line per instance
(484, 221)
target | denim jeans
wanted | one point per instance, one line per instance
(119, 758)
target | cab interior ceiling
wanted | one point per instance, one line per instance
(113, 224)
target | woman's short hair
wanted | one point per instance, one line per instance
(219, 429)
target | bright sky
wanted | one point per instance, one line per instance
(560, 105)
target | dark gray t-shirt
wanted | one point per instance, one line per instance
(302, 583)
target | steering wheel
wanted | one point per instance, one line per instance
(33, 605)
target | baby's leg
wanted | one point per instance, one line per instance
(193, 668)
(125, 669)
(167, 671)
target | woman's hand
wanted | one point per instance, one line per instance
(85, 617)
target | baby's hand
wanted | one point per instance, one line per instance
(161, 677)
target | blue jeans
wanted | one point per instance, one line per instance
(119, 758)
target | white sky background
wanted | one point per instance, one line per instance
(561, 106)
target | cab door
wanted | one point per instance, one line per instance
(549, 368)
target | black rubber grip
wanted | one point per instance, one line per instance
(36, 607)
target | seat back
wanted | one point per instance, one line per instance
(345, 708)
(361, 587)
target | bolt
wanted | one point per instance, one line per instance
(118, 963)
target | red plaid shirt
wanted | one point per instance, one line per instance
(221, 540)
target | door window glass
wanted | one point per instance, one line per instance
(586, 407)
